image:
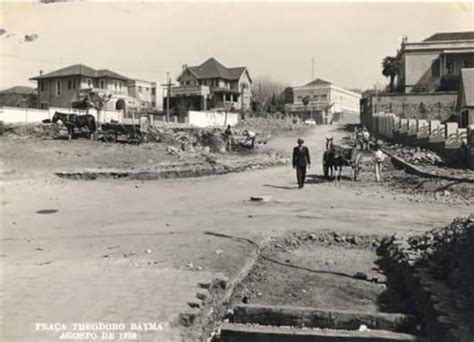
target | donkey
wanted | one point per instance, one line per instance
(333, 160)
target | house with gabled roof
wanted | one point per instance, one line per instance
(435, 63)
(465, 102)
(211, 85)
(321, 100)
(66, 87)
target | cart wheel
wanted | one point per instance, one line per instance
(110, 136)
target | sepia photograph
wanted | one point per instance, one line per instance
(236, 171)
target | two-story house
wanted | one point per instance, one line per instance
(66, 87)
(211, 85)
(320, 100)
(435, 63)
(144, 92)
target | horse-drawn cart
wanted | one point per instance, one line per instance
(117, 132)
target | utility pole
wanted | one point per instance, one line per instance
(168, 95)
(312, 89)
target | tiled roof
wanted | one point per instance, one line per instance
(18, 90)
(82, 70)
(318, 81)
(468, 35)
(467, 79)
(212, 68)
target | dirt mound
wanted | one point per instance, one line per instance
(416, 155)
(448, 253)
(264, 127)
(187, 139)
(37, 130)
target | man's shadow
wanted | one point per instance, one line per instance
(281, 187)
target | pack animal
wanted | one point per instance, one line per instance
(72, 121)
(333, 160)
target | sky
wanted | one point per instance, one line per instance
(273, 40)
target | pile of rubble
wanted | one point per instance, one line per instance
(417, 155)
(264, 127)
(188, 139)
(37, 130)
(448, 253)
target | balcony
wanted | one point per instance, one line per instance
(190, 90)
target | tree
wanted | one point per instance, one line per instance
(286, 95)
(97, 101)
(390, 68)
(263, 90)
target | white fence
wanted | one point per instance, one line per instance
(30, 115)
(194, 118)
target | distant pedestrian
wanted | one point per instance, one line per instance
(301, 161)
(228, 138)
(250, 138)
(365, 138)
(360, 138)
(379, 157)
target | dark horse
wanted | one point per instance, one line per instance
(72, 121)
(333, 160)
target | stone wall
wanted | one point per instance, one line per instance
(430, 106)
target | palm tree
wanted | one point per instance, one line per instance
(390, 68)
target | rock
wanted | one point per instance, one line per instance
(361, 276)
(312, 237)
(148, 251)
(352, 240)
(258, 198)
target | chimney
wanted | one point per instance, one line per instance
(185, 66)
(41, 73)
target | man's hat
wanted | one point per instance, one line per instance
(300, 141)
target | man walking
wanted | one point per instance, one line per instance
(379, 157)
(301, 161)
(228, 137)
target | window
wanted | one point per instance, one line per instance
(102, 84)
(139, 89)
(69, 84)
(58, 88)
(42, 85)
(467, 63)
(115, 85)
(120, 85)
(152, 103)
(153, 91)
(89, 83)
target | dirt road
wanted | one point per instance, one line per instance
(135, 252)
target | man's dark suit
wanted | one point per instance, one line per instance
(300, 161)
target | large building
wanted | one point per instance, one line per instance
(211, 85)
(19, 96)
(320, 100)
(144, 92)
(66, 87)
(465, 102)
(435, 63)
